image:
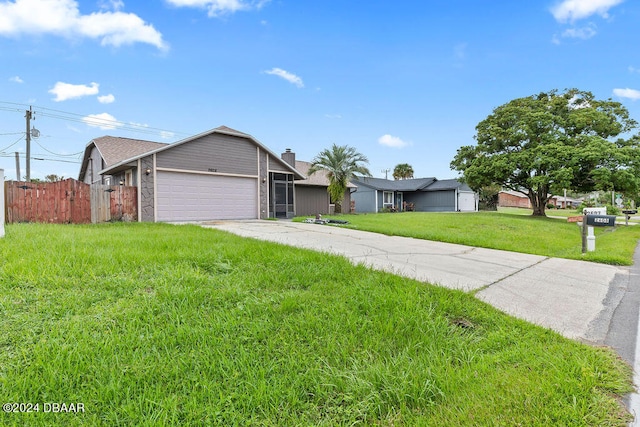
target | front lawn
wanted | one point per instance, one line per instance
(153, 324)
(509, 231)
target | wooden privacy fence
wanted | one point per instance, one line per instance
(68, 201)
(113, 203)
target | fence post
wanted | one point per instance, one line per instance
(1, 203)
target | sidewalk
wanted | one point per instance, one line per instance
(575, 298)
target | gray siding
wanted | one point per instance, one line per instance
(94, 166)
(311, 200)
(365, 199)
(213, 153)
(435, 201)
(346, 202)
(275, 166)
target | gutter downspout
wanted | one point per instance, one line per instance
(376, 202)
(456, 200)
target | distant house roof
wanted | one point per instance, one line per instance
(448, 184)
(221, 130)
(114, 149)
(319, 178)
(416, 184)
(395, 185)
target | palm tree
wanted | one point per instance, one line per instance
(341, 164)
(403, 171)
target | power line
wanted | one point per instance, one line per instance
(18, 140)
(58, 154)
(89, 120)
(41, 158)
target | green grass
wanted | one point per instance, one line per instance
(508, 230)
(159, 325)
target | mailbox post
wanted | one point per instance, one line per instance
(590, 221)
(627, 214)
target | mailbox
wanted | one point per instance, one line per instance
(601, 220)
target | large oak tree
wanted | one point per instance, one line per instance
(550, 141)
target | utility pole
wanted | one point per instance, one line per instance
(18, 166)
(29, 115)
(386, 171)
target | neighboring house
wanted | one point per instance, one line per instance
(106, 151)
(311, 194)
(515, 199)
(420, 194)
(218, 174)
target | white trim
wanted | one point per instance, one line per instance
(393, 198)
(206, 173)
(259, 186)
(455, 203)
(375, 203)
(139, 191)
(155, 190)
(1, 203)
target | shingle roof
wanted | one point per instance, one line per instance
(417, 184)
(114, 149)
(319, 178)
(395, 185)
(447, 184)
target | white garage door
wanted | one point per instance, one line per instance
(194, 197)
(466, 202)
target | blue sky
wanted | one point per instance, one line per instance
(402, 81)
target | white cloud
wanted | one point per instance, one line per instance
(64, 91)
(111, 4)
(291, 78)
(634, 69)
(103, 121)
(627, 93)
(220, 7)
(63, 18)
(460, 51)
(392, 141)
(167, 135)
(106, 99)
(575, 10)
(333, 116)
(580, 33)
(16, 79)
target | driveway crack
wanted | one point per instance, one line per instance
(520, 270)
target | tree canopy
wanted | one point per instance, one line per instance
(341, 164)
(403, 171)
(546, 142)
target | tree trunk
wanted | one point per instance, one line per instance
(539, 210)
(539, 201)
(337, 207)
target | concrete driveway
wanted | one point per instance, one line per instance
(581, 300)
(575, 298)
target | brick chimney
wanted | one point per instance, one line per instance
(289, 157)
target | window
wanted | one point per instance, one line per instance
(387, 199)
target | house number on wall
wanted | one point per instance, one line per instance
(213, 170)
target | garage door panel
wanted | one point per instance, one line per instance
(195, 197)
(466, 202)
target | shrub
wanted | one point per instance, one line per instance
(612, 210)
